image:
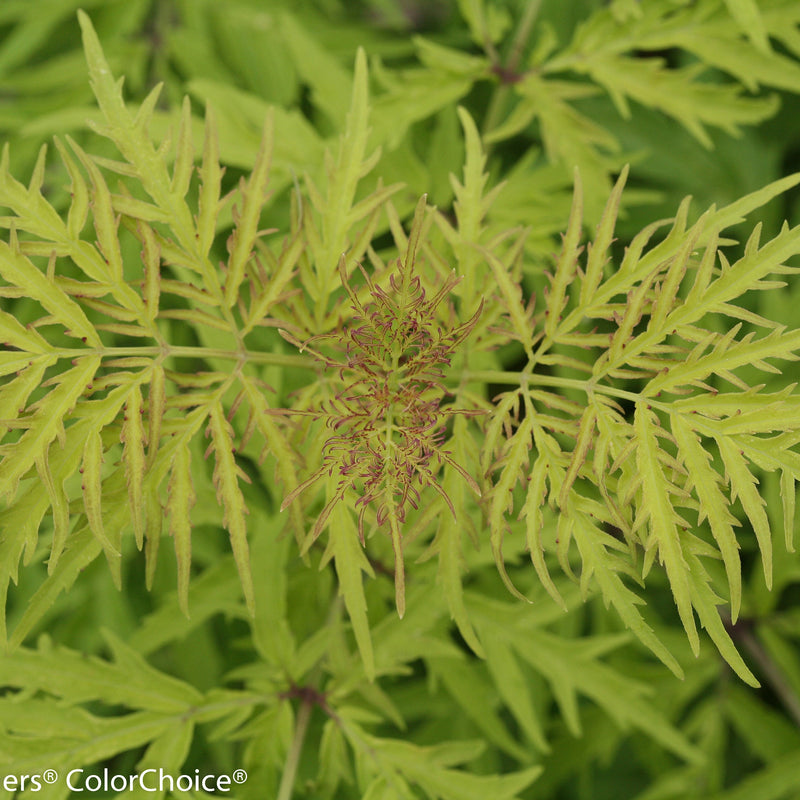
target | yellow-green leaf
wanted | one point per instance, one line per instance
(181, 498)
(92, 487)
(658, 508)
(743, 485)
(229, 494)
(133, 459)
(713, 504)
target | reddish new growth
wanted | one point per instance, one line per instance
(387, 419)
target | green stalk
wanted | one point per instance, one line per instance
(255, 357)
(523, 32)
(499, 97)
(293, 756)
(588, 386)
(771, 672)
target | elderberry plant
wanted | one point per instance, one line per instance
(403, 458)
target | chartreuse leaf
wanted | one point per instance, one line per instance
(130, 135)
(788, 497)
(520, 317)
(16, 391)
(127, 130)
(349, 559)
(396, 535)
(275, 281)
(184, 152)
(447, 544)
(515, 458)
(450, 784)
(713, 505)
(706, 602)
(471, 204)
(226, 480)
(606, 567)
(447, 547)
(133, 459)
(60, 506)
(566, 664)
(747, 14)
(216, 590)
(164, 709)
(414, 95)
(450, 59)
(167, 751)
(746, 274)
(486, 22)
(600, 46)
(654, 471)
(82, 548)
(392, 766)
(678, 93)
(474, 694)
(597, 251)
(156, 406)
(18, 270)
(239, 121)
(21, 521)
(210, 181)
(743, 486)
(275, 441)
(181, 498)
(665, 536)
(569, 137)
(334, 764)
(737, 211)
(20, 525)
(269, 557)
(727, 355)
(768, 733)
(99, 739)
(105, 222)
(47, 423)
(26, 340)
(41, 717)
(721, 43)
(572, 668)
(331, 84)
(583, 442)
(128, 681)
(567, 261)
(393, 648)
(248, 216)
(350, 165)
(776, 780)
(513, 686)
(534, 518)
(92, 490)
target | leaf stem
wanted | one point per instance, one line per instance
(588, 386)
(772, 673)
(293, 756)
(508, 71)
(522, 34)
(256, 357)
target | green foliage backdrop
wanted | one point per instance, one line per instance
(377, 414)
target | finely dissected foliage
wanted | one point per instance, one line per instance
(532, 473)
(649, 465)
(387, 420)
